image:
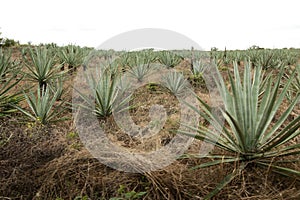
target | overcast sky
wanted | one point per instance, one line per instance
(236, 24)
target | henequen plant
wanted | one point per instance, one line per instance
(249, 135)
(72, 55)
(43, 108)
(105, 90)
(265, 58)
(8, 80)
(135, 58)
(140, 72)
(288, 57)
(56, 85)
(140, 65)
(169, 59)
(6, 64)
(42, 67)
(295, 85)
(198, 69)
(175, 83)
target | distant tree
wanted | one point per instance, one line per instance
(10, 42)
(214, 49)
(255, 47)
(5, 42)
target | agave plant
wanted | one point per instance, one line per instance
(105, 93)
(296, 82)
(148, 55)
(8, 80)
(72, 55)
(175, 83)
(7, 99)
(139, 65)
(135, 58)
(217, 58)
(123, 60)
(287, 56)
(198, 68)
(42, 67)
(56, 85)
(140, 72)
(169, 59)
(44, 108)
(265, 58)
(238, 56)
(295, 85)
(7, 66)
(250, 134)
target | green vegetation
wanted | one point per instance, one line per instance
(175, 83)
(42, 106)
(41, 67)
(169, 59)
(6, 42)
(71, 55)
(198, 69)
(250, 137)
(105, 93)
(131, 195)
(8, 80)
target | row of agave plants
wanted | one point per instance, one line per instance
(251, 136)
(47, 67)
(266, 58)
(41, 69)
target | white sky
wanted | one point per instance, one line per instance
(236, 24)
